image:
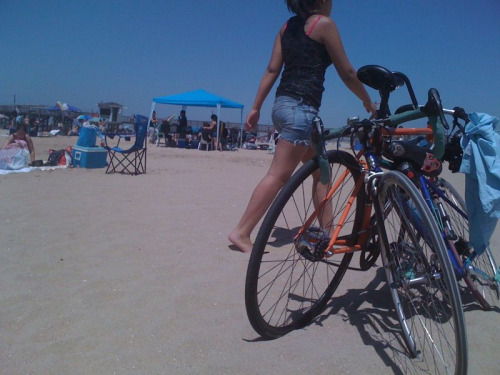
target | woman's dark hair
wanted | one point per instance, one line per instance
(214, 117)
(21, 126)
(302, 8)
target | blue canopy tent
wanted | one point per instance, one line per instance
(199, 98)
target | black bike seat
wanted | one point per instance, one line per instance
(379, 78)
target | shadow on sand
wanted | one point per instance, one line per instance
(371, 311)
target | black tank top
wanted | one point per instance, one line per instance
(306, 61)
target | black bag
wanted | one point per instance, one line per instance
(453, 153)
(54, 157)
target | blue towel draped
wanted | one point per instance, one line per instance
(481, 165)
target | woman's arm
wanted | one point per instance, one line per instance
(267, 82)
(8, 141)
(328, 34)
(31, 148)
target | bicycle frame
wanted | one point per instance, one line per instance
(370, 167)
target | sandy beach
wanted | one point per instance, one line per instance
(116, 274)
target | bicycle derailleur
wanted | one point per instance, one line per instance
(312, 244)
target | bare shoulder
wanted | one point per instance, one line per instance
(326, 24)
(324, 30)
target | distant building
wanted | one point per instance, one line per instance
(110, 112)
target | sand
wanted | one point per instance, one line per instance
(114, 274)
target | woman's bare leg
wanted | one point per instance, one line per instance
(286, 158)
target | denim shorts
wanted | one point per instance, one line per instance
(293, 120)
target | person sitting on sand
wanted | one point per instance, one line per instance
(19, 140)
(206, 134)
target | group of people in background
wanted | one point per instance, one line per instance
(208, 132)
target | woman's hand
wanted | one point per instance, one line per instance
(252, 119)
(371, 108)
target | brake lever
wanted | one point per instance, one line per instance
(460, 113)
(435, 107)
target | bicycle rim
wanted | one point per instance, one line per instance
(482, 268)
(288, 284)
(421, 280)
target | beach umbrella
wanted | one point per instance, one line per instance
(83, 117)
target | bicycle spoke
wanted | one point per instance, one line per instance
(289, 279)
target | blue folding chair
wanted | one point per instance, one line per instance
(133, 160)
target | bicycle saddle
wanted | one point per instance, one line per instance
(379, 78)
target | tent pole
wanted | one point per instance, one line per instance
(151, 113)
(149, 122)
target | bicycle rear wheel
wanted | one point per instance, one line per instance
(421, 279)
(289, 278)
(481, 269)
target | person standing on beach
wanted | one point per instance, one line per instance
(306, 45)
(213, 129)
(183, 122)
(153, 125)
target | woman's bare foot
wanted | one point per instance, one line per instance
(242, 243)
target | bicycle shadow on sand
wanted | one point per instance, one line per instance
(371, 311)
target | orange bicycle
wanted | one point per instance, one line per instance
(338, 204)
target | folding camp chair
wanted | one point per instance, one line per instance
(205, 139)
(133, 160)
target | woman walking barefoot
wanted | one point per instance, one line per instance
(306, 45)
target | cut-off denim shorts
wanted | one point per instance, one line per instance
(293, 120)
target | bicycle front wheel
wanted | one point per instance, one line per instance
(421, 279)
(289, 277)
(480, 269)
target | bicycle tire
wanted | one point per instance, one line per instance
(487, 294)
(421, 279)
(287, 286)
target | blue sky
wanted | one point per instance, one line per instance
(84, 52)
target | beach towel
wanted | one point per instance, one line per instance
(481, 165)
